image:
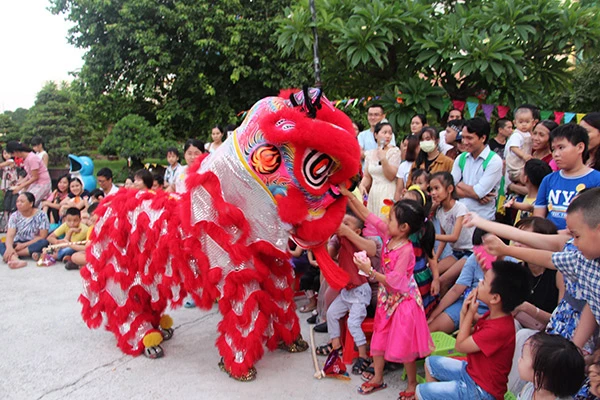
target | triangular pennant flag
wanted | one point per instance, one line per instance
(348, 102)
(502, 111)
(472, 106)
(355, 102)
(458, 104)
(337, 103)
(569, 116)
(446, 104)
(545, 114)
(558, 116)
(580, 117)
(488, 109)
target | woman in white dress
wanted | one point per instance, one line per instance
(381, 167)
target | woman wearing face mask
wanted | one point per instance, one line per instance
(430, 158)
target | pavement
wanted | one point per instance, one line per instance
(51, 353)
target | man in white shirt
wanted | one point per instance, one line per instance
(454, 114)
(366, 139)
(478, 171)
(104, 177)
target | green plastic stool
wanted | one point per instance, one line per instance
(444, 346)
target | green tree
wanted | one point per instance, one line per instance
(514, 50)
(8, 129)
(133, 137)
(59, 121)
(182, 65)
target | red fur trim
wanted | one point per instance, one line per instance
(286, 93)
(292, 208)
(319, 230)
(336, 277)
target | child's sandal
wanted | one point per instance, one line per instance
(326, 349)
(360, 366)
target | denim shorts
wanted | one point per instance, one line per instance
(459, 254)
(454, 381)
(453, 311)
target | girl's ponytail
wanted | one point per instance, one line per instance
(427, 238)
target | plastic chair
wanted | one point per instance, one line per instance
(348, 347)
(444, 346)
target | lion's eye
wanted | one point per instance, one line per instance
(316, 167)
(266, 159)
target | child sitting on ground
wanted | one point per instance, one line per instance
(78, 258)
(356, 296)
(72, 230)
(489, 346)
(446, 316)
(518, 147)
(450, 215)
(400, 332)
(532, 175)
(552, 366)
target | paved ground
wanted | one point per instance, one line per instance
(50, 353)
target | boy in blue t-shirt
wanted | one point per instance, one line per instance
(570, 151)
(446, 316)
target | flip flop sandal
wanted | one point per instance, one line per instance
(16, 264)
(370, 371)
(360, 365)
(154, 352)
(406, 396)
(368, 387)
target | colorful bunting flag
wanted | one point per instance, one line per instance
(445, 105)
(472, 106)
(458, 104)
(580, 117)
(502, 111)
(488, 109)
(545, 114)
(558, 116)
(569, 116)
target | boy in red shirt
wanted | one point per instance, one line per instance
(356, 296)
(489, 346)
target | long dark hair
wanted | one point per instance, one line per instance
(413, 214)
(593, 119)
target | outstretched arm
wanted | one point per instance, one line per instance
(531, 239)
(355, 204)
(496, 247)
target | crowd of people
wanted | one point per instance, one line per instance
(421, 244)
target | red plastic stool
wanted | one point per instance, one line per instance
(350, 351)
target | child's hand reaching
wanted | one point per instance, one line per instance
(494, 246)
(344, 190)
(471, 220)
(343, 231)
(509, 203)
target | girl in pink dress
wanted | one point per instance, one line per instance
(400, 332)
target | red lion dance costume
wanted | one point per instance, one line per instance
(226, 237)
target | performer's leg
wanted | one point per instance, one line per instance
(240, 342)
